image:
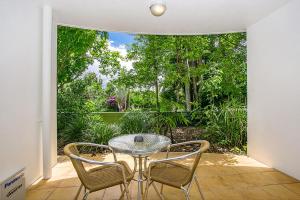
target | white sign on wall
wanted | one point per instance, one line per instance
(13, 188)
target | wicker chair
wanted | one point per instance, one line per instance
(172, 172)
(106, 175)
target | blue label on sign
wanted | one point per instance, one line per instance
(12, 181)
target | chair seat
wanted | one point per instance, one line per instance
(106, 176)
(170, 173)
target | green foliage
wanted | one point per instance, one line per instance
(100, 133)
(226, 125)
(73, 47)
(175, 81)
(137, 122)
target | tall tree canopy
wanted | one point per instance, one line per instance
(204, 75)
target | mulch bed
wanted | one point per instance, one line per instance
(184, 134)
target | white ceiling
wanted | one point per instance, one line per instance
(181, 17)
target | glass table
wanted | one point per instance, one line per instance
(140, 146)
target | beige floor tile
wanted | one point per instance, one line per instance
(294, 187)
(252, 169)
(212, 183)
(207, 193)
(233, 181)
(206, 171)
(227, 170)
(221, 176)
(228, 194)
(70, 182)
(280, 192)
(96, 195)
(45, 184)
(257, 179)
(42, 194)
(112, 193)
(279, 177)
(255, 194)
(67, 193)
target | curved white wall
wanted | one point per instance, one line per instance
(274, 89)
(21, 111)
(20, 88)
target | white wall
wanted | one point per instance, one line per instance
(274, 89)
(20, 89)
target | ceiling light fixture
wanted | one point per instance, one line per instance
(158, 8)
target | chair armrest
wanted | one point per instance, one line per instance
(92, 145)
(173, 158)
(204, 145)
(97, 145)
(95, 162)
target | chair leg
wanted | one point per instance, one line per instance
(186, 194)
(146, 190)
(78, 192)
(127, 191)
(199, 188)
(161, 188)
(123, 192)
(86, 195)
(155, 188)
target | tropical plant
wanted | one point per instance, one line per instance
(165, 122)
(100, 132)
(226, 125)
(137, 122)
(174, 81)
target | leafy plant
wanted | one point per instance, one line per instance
(227, 125)
(174, 81)
(165, 122)
(137, 122)
(100, 132)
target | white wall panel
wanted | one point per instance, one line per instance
(274, 89)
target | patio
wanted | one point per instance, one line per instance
(28, 82)
(222, 176)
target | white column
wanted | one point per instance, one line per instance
(54, 95)
(46, 91)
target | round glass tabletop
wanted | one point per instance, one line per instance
(139, 144)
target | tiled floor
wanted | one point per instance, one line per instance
(222, 176)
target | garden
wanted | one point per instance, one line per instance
(185, 87)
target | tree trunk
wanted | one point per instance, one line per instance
(187, 88)
(195, 92)
(157, 95)
(177, 90)
(127, 102)
(200, 82)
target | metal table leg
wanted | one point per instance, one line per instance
(140, 179)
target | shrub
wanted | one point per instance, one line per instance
(70, 127)
(137, 122)
(100, 132)
(226, 125)
(166, 121)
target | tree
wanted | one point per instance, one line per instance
(73, 51)
(149, 56)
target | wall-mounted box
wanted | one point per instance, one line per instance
(13, 188)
